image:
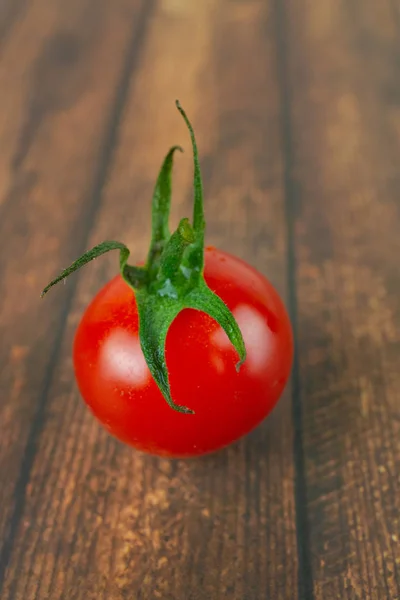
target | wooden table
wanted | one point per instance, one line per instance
(296, 105)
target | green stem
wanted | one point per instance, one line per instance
(171, 259)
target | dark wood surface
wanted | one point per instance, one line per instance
(296, 105)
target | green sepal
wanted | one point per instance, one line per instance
(203, 299)
(135, 276)
(161, 204)
(173, 278)
(156, 314)
(194, 259)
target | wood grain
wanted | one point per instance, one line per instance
(11, 11)
(296, 106)
(59, 65)
(343, 90)
(99, 520)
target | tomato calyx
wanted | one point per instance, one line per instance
(173, 276)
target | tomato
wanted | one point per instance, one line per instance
(116, 383)
(156, 353)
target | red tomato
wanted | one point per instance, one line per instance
(116, 383)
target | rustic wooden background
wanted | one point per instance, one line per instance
(296, 104)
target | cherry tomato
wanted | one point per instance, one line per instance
(117, 385)
(156, 353)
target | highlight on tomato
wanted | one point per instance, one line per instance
(188, 353)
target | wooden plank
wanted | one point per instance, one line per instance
(11, 11)
(343, 89)
(100, 520)
(58, 75)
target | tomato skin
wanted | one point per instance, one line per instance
(116, 383)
